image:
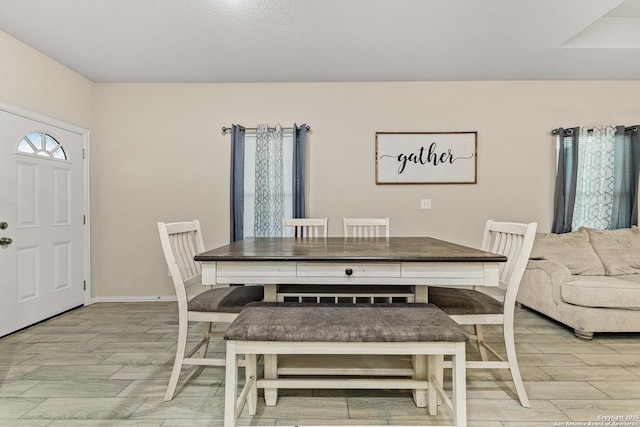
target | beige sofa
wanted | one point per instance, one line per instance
(587, 279)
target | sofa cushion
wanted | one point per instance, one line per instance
(630, 277)
(602, 291)
(570, 249)
(619, 250)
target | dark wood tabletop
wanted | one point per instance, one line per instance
(398, 249)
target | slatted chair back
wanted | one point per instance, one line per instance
(305, 227)
(310, 227)
(515, 241)
(181, 241)
(366, 227)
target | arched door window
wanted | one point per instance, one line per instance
(41, 144)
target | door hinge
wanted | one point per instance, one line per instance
(84, 219)
(85, 284)
(83, 154)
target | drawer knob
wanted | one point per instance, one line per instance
(348, 272)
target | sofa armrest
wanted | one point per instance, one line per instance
(541, 274)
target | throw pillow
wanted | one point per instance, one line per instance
(619, 249)
(570, 249)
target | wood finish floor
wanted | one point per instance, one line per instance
(108, 365)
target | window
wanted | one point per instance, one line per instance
(272, 186)
(43, 145)
(250, 179)
(596, 178)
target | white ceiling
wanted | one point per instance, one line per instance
(331, 40)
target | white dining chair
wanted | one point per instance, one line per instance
(317, 227)
(472, 307)
(371, 228)
(366, 227)
(305, 227)
(181, 241)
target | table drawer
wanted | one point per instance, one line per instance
(443, 270)
(255, 269)
(354, 270)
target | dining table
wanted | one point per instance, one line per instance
(419, 262)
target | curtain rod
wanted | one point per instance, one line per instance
(570, 131)
(226, 129)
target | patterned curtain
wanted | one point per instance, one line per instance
(597, 178)
(269, 202)
(594, 189)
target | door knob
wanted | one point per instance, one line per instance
(3, 225)
(4, 241)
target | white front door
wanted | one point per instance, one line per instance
(42, 231)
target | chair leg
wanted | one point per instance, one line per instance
(206, 338)
(480, 335)
(183, 331)
(510, 346)
(420, 369)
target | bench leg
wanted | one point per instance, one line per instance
(251, 373)
(439, 367)
(231, 386)
(270, 373)
(432, 395)
(459, 381)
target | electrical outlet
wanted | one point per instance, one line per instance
(425, 204)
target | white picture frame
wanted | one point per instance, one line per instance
(426, 157)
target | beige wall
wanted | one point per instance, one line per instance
(32, 80)
(162, 157)
(158, 153)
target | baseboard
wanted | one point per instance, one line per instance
(133, 299)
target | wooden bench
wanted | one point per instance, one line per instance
(420, 330)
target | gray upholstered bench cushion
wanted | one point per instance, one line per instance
(227, 300)
(302, 322)
(464, 301)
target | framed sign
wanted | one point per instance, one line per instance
(426, 157)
